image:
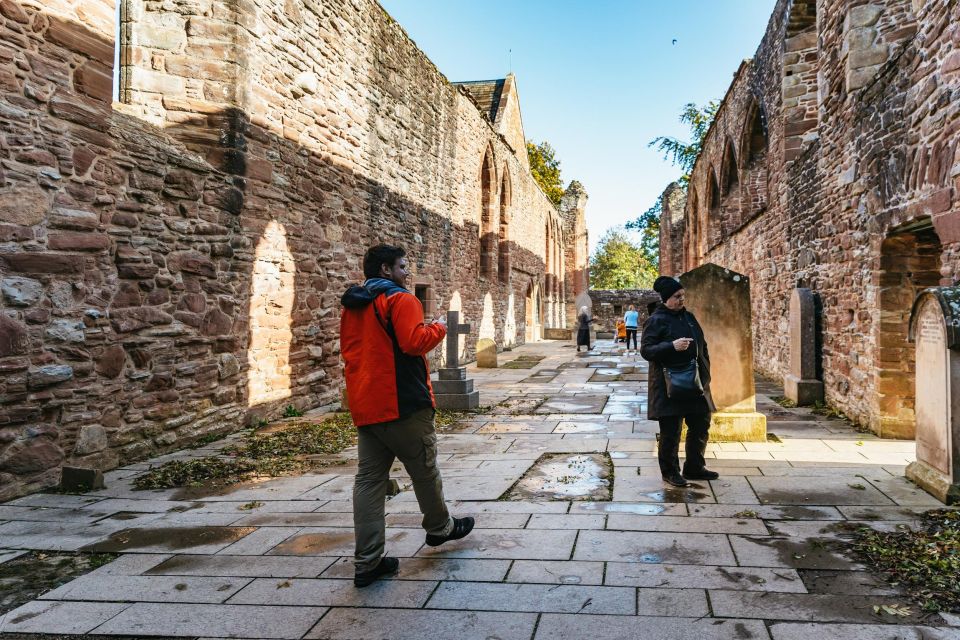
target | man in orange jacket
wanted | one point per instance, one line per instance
(384, 343)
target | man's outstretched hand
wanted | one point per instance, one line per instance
(441, 319)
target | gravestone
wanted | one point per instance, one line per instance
(486, 353)
(720, 299)
(801, 384)
(452, 390)
(935, 330)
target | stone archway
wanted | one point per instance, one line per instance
(533, 313)
(909, 262)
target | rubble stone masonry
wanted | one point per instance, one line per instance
(833, 165)
(171, 264)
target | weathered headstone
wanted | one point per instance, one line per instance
(720, 299)
(453, 390)
(486, 353)
(935, 329)
(801, 384)
(78, 479)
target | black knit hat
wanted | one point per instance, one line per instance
(666, 287)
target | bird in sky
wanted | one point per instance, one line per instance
(674, 41)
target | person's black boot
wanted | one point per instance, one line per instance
(461, 527)
(388, 566)
(703, 474)
(675, 479)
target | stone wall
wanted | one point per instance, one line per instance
(832, 164)
(609, 305)
(172, 264)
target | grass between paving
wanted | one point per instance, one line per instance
(294, 449)
(925, 563)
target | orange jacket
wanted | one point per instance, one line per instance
(384, 343)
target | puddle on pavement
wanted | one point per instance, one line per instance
(678, 495)
(624, 507)
(169, 538)
(565, 476)
(808, 553)
(29, 576)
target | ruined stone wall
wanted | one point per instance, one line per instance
(609, 305)
(172, 264)
(861, 191)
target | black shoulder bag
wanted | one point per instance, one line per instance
(683, 381)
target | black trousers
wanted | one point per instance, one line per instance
(633, 333)
(698, 427)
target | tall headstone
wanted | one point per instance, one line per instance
(801, 384)
(935, 330)
(453, 390)
(720, 299)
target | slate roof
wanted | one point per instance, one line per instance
(487, 95)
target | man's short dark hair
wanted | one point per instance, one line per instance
(379, 255)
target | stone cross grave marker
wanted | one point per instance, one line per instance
(801, 384)
(720, 299)
(454, 330)
(935, 330)
(453, 390)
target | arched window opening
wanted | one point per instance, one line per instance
(506, 196)
(713, 227)
(692, 257)
(755, 175)
(730, 177)
(488, 231)
(730, 190)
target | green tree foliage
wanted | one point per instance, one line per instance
(648, 224)
(546, 170)
(619, 263)
(684, 154)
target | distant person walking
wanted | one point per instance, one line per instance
(678, 384)
(630, 319)
(384, 343)
(583, 328)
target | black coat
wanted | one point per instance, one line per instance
(656, 346)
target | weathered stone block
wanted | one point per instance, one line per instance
(66, 330)
(486, 353)
(77, 479)
(92, 438)
(452, 386)
(24, 205)
(20, 292)
(14, 337)
(76, 241)
(458, 401)
(31, 455)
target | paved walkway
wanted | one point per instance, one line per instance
(755, 554)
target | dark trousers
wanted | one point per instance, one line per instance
(698, 427)
(631, 333)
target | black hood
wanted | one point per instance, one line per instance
(359, 296)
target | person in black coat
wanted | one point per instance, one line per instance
(671, 337)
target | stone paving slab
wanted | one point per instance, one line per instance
(473, 596)
(557, 572)
(242, 566)
(433, 569)
(654, 548)
(817, 491)
(677, 603)
(336, 593)
(808, 630)
(629, 522)
(218, 620)
(756, 551)
(113, 588)
(580, 626)
(523, 544)
(10, 554)
(50, 616)
(178, 539)
(679, 576)
(806, 607)
(340, 542)
(399, 624)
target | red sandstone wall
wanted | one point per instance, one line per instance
(162, 281)
(862, 199)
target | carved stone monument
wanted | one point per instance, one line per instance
(486, 353)
(802, 385)
(935, 330)
(453, 390)
(720, 299)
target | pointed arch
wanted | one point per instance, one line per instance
(488, 232)
(692, 257)
(729, 178)
(712, 230)
(503, 235)
(754, 146)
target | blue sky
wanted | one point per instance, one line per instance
(597, 79)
